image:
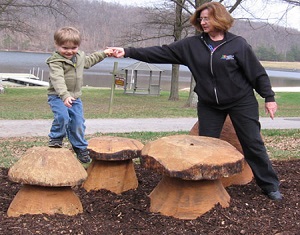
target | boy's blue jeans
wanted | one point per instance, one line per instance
(68, 122)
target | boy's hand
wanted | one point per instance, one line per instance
(108, 52)
(68, 101)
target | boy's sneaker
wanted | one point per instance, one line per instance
(83, 155)
(55, 143)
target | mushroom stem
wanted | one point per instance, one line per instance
(115, 176)
(32, 199)
(187, 199)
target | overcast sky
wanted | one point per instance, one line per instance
(291, 20)
(134, 2)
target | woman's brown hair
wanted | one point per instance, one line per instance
(219, 17)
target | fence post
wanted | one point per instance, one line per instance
(113, 86)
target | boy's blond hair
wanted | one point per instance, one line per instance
(67, 34)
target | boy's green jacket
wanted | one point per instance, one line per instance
(66, 77)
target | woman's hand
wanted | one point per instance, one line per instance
(271, 108)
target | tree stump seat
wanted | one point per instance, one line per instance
(192, 167)
(112, 167)
(47, 175)
(228, 134)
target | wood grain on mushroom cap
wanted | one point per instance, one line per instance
(46, 166)
(192, 157)
(228, 134)
(112, 148)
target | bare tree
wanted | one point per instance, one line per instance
(14, 14)
(231, 6)
(142, 26)
(164, 21)
(186, 8)
(178, 28)
(293, 2)
(192, 99)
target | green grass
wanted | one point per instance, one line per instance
(31, 103)
(288, 104)
(11, 149)
(281, 144)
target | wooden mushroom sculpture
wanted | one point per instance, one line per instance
(228, 134)
(191, 167)
(47, 175)
(112, 167)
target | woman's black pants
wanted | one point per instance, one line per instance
(245, 119)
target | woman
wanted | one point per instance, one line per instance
(226, 71)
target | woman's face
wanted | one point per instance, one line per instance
(204, 21)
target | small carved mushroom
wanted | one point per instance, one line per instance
(228, 134)
(47, 175)
(112, 167)
(192, 167)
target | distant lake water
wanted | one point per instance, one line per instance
(100, 74)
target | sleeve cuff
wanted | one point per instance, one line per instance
(270, 99)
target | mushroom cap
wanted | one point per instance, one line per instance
(113, 148)
(46, 166)
(192, 157)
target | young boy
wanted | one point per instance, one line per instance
(65, 81)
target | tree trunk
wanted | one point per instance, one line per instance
(192, 100)
(174, 92)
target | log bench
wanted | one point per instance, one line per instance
(228, 134)
(112, 167)
(192, 167)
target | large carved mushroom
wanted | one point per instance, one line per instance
(112, 167)
(228, 134)
(192, 167)
(47, 175)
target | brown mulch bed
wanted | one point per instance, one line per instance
(250, 212)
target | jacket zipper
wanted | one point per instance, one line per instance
(211, 68)
(74, 61)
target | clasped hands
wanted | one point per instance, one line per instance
(116, 52)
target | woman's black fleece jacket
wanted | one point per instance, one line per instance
(222, 76)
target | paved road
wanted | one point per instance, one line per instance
(27, 128)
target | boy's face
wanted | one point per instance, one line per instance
(67, 49)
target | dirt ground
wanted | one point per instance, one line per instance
(250, 212)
